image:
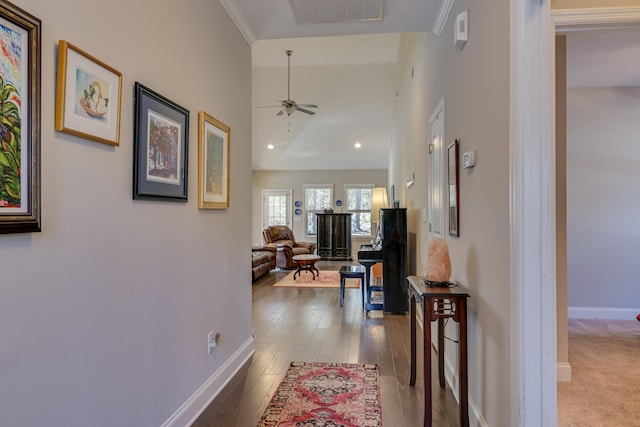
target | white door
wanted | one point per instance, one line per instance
(436, 173)
(276, 208)
(436, 184)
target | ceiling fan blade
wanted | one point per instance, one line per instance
(308, 105)
(309, 112)
(279, 113)
(269, 106)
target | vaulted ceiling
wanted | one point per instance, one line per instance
(346, 67)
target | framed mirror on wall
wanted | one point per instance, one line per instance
(454, 194)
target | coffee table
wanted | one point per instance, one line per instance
(306, 262)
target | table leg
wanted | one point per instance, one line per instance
(441, 350)
(412, 323)
(367, 281)
(341, 290)
(464, 384)
(314, 268)
(427, 308)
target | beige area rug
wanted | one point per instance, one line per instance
(605, 367)
(326, 279)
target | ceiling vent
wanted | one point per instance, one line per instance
(329, 11)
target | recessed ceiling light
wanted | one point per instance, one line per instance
(270, 146)
(357, 145)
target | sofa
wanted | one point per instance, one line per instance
(263, 260)
(281, 237)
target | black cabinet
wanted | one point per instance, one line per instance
(334, 236)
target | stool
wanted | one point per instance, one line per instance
(376, 272)
(351, 272)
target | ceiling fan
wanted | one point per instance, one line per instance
(288, 105)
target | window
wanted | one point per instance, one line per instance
(317, 198)
(276, 208)
(358, 203)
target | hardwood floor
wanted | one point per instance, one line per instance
(309, 325)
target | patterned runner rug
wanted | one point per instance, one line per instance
(326, 394)
(326, 279)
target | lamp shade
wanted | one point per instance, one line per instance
(379, 201)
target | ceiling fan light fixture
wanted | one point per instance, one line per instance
(288, 105)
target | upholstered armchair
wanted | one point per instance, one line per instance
(281, 237)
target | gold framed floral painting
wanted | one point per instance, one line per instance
(88, 96)
(213, 163)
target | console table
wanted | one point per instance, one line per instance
(439, 303)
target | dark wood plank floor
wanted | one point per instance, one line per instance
(309, 325)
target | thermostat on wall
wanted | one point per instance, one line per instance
(469, 159)
(461, 31)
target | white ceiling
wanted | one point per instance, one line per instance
(274, 19)
(347, 69)
(352, 81)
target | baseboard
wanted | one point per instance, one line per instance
(198, 402)
(609, 313)
(452, 380)
(564, 372)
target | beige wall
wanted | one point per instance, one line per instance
(602, 226)
(474, 83)
(104, 314)
(295, 180)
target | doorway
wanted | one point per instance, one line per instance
(276, 208)
(532, 162)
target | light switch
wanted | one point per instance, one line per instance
(424, 215)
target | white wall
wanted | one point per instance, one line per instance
(295, 180)
(474, 83)
(104, 314)
(603, 178)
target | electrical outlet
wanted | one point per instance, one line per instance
(213, 339)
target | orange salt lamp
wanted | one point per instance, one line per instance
(438, 261)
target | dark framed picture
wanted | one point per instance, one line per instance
(160, 146)
(454, 193)
(88, 96)
(213, 163)
(20, 37)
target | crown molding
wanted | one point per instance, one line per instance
(443, 15)
(566, 20)
(239, 21)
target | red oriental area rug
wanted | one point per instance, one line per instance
(326, 279)
(326, 394)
